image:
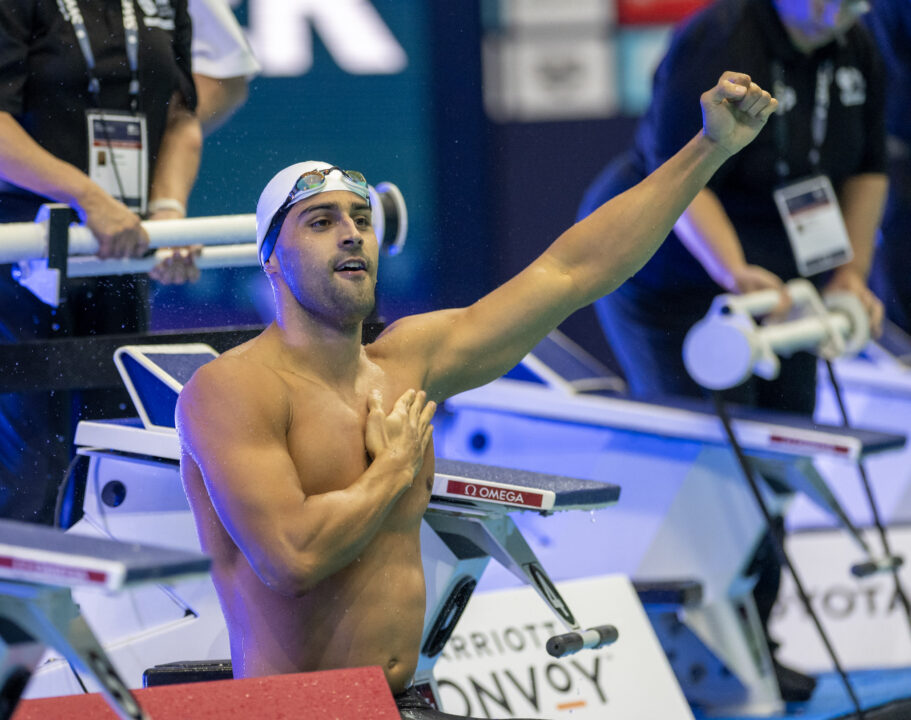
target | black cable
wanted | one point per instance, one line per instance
(871, 499)
(110, 146)
(78, 677)
(62, 489)
(58, 511)
(778, 544)
(96, 100)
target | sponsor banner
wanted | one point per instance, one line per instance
(565, 74)
(495, 664)
(353, 33)
(794, 441)
(19, 568)
(547, 13)
(495, 493)
(635, 12)
(864, 618)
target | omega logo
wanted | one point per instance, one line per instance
(491, 493)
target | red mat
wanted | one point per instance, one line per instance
(351, 694)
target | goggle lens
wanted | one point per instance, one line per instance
(309, 181)
(315, 179)
(356, 176)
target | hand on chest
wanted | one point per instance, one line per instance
(327, 436)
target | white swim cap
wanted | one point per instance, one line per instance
(277, 191)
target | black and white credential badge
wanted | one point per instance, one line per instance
(814, 223)
(118, 160)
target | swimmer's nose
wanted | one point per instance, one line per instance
(351, 234)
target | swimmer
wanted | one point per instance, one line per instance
(307, 457)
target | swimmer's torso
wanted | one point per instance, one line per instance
(370, 612)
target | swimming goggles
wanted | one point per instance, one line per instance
(312, 182)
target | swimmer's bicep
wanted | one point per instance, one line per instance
(467, 347)
(233, 430)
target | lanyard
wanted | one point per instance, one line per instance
(819, 121)
(131, 31)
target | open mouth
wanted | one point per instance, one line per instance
(352, 265)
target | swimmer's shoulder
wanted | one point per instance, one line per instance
(414, 335)
(240, 382)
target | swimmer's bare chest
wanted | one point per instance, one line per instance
(326, 440)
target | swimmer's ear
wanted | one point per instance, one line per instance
(270, 267)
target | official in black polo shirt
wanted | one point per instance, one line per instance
(96, 111)
(829, 131)
(890, 22)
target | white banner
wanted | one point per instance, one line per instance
(495, 664)
(864, 618)
(565, 75)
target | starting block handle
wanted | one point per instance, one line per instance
(888, 563)
(571, 642)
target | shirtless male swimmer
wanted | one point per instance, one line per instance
(307, 456)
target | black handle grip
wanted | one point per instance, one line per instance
(566, 644)
(608, 633)
(871, 567)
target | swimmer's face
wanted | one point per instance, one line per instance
(327, 254)
(814, 23)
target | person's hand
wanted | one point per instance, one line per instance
(846, 279)
(405, 432)
(116, 228)
(177, 265)
(735, 110)
(753, 278)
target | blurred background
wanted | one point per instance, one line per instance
(491, 116)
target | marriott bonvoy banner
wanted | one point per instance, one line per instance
(495, 664)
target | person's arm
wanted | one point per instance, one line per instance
(706, 231)
(25, 163)
(460, 349)
(175, 173)
(233, 422)
(862, 199)
(217, 99)
(223, 62)
(178, 159)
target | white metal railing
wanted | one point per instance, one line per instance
(228, 240)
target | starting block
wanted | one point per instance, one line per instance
(39, 568)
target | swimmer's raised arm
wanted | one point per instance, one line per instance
(234, 417)
(467, 347)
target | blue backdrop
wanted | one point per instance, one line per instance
(378, 124)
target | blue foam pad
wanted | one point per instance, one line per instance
(568, 360)
(180, 366)
(159, 400)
